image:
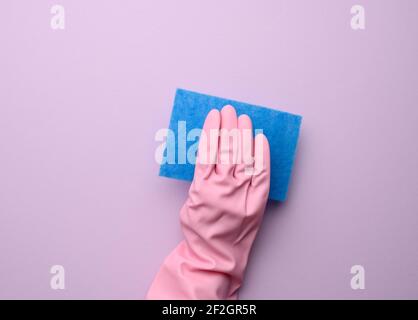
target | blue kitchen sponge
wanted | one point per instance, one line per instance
(281, 129)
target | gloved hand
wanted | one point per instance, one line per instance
(222, 214)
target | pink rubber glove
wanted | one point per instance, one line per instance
(221, 216)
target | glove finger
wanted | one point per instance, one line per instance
(245, 152)
(228, 144)
(208, 143)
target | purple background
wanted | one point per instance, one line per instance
(79, 109)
